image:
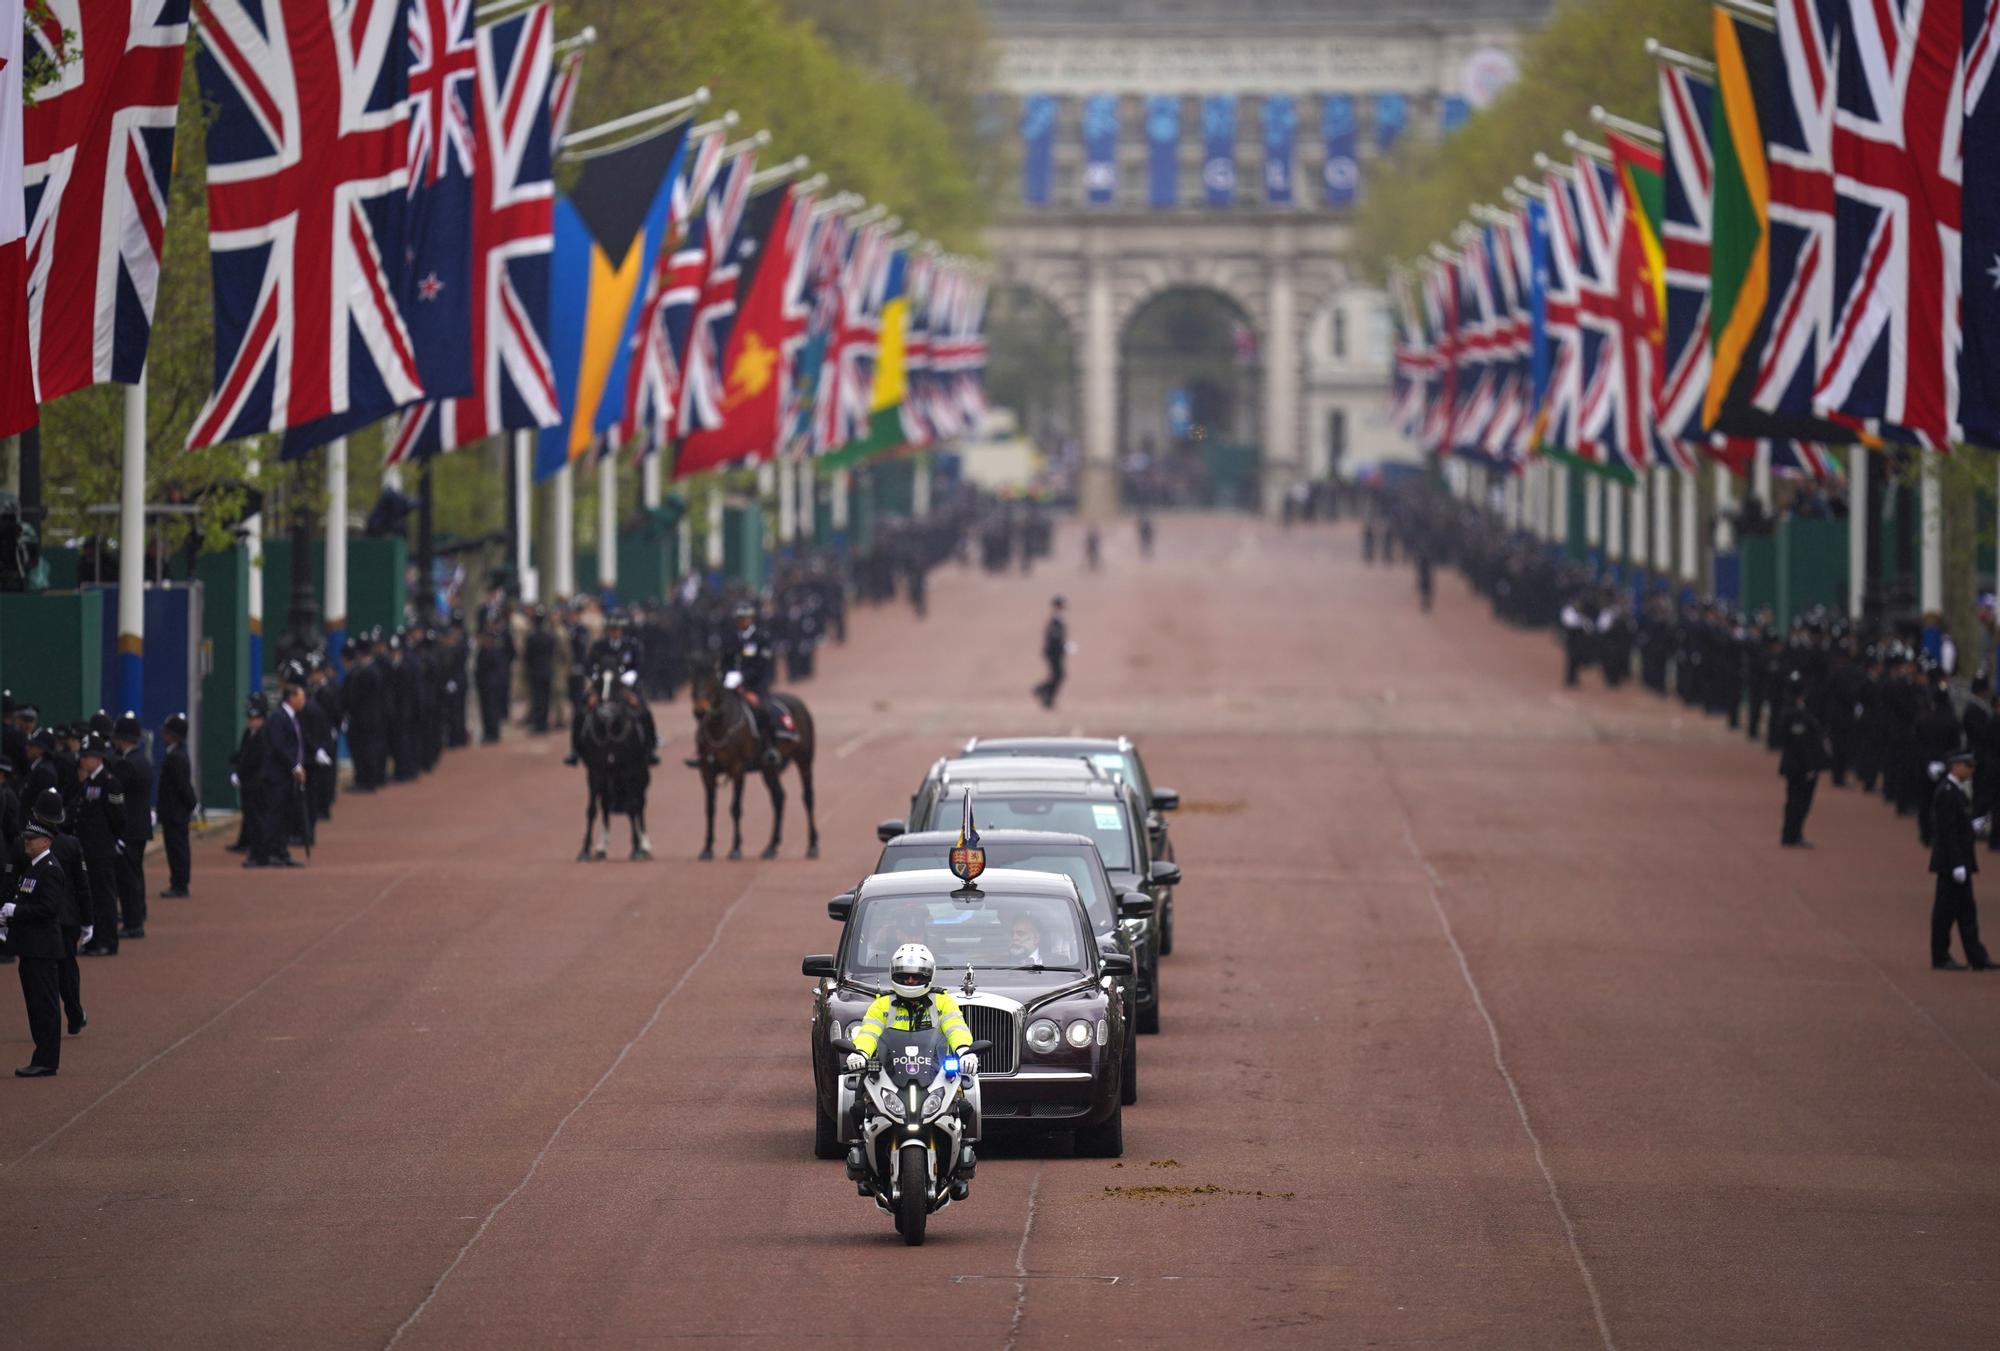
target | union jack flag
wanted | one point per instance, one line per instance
(308, 168)
(1979, 362)
(1411, 363)
(666, 311)
(704, 382)
(514, 384)
(811, 372)
(1441, 292)
(951, 353)
(808, 227)
(1687, 238)
(1473, 411)
(1562, 331)
(1600, 213)
(1892, 352)
(968, 356)
(99, 148)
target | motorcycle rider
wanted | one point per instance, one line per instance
(910, 1005)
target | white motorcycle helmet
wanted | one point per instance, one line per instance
(912, 969)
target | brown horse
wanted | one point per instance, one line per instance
(726, 742)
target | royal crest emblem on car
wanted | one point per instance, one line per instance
(967, 859)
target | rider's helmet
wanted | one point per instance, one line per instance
(746, 614)
(912, 970)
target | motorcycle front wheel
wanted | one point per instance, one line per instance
(913, 1207)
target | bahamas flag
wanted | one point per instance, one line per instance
(608, 231)
(892, 382)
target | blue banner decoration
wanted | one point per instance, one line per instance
(1100, 148)
(1038, 142)
(1163, 150)
(1281, 124)
(1180, 413)
(1454, 112)
(1536, 288)
(1341, 175)
(1392, 118)
(1218, 155)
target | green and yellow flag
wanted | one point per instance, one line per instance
(892, 381)
(1739, 269)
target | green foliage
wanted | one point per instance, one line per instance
(1591, 52)
(37, 71)
(875, 133)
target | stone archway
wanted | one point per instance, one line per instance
(1195, 346)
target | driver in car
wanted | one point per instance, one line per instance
(912, 1004)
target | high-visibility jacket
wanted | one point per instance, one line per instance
(891, 1014)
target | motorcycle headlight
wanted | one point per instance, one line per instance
(1080, 1033)
(934, 1102)
(891, 1105)
(1043, 1035)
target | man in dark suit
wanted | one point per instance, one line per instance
(284, 785)
(247, 777)
(365, 702)
(178, 801)
(1954, 859)
(32, 922)
(1055, 651)
(134, 773)
(97, 805)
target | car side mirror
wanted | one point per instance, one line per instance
(1135, 905)
(840, 907)
(1166, 874)
(1166, 800)
(1117, 964)
(819, 966)
(890, 829)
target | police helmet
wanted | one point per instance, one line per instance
(127, 726)
(258, 706)
(96, 745)
(177, 725)
(912, 969)
(745, 610)
(48, 808)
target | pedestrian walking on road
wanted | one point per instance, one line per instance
(1954, 859)
(1803, 758)
(1055, 650)
(178, 801)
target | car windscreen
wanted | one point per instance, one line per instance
(1073, 862)
(996, 932)
(1103, 822)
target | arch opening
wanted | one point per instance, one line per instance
(1190, 391)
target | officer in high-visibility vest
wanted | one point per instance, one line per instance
(910, 1005)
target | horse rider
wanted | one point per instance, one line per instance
(748, 668)
(622, 661)
(617, 648)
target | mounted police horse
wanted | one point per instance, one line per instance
(726, 742)
(611, 741)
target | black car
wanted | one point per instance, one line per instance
(1060, 794)
(1114, 755)
(1054, 1009)
(1119, 918)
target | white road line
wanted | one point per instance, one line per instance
(1431, 885)
(847, 749)
(220, 1014)
(1021, 1264)
(659, 1009)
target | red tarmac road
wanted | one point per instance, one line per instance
(1497, 1019)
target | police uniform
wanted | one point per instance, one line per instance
(891, 1014)
(1954, 861)
(97, 805)
(32, 921)
(135, 784)
(365, 700)
(74, 916)
(1803, 758)
(178, 801)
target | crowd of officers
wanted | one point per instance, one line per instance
(1833, 698)
(81, 802)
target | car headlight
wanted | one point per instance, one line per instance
(1043, 1036)
(833, 1029)
(1080, 1033)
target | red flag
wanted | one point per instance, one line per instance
(18, 405)
(757, 341)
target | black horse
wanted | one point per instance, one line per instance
(726, 742)
(612, 744)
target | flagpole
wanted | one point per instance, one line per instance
(649, 482)
(607, 524)
(336, 547)
(713, 554)
(562, 513)
(805, 499)
(1638, 131)
(253, 549)
(1930, 576)
(132, 553)
(788, 497)
(1857, 529)
(778, 173)
(658, 111)
(1668, 56)
(586, 37)
(524, 517)
(1690, 538)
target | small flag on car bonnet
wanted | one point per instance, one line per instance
(968, 860)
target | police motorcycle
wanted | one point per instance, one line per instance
(912, 1114)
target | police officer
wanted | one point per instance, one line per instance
(324, 714)
(98, 808)
(74, 918)
(911, 1003)
(178, 801)
(134, 773)
(1055, 650)
(1803, 757)
(247, 775)
(1954, 859)
(493, 673)
(365, 701)
(32, 921)
(538, 656)
(748, 667)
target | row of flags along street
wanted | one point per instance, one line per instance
(387, 241)
(1801, 251)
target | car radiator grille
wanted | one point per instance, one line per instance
(996, 1026)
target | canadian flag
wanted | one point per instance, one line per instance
(17, 368)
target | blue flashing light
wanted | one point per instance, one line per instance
(951, 1066)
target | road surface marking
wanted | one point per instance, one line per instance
(842, 752)
(659, 1009)
(1021, 1264)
